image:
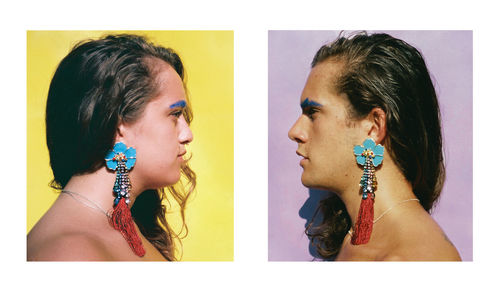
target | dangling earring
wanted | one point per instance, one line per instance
(121, 159)
(370, 156)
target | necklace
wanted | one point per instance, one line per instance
(388, 210)
(88, 203)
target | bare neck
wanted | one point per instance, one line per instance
(98, 187)
(392, 188)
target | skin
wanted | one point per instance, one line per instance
(326, 136)
(84, 234)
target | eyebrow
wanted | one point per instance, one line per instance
(307, 103)
(181, 104)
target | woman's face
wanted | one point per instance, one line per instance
(161, 134)
(324, 133)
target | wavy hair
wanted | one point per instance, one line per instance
(380, 71)
(99, 84)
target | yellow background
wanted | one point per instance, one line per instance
(208, 60)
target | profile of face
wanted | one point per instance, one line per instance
(324, 132)
(161, 134)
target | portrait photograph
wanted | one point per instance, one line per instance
(130, 145)
(370, 145)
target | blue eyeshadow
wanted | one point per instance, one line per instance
(307, 103)
(181, 104)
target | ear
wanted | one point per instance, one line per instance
(121, 132)
(377, 131)
(126, 133)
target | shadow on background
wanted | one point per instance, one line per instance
(308, 210)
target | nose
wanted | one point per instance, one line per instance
(185, 134)
(298, 133)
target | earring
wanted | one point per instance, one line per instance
(121, 159)
(370, 156)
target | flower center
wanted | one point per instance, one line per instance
(120, 157)
(367, 153)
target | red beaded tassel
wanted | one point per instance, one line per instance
(121, 220)
(364, 223)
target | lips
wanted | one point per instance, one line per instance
(301, 154)
(304, 159)
(181, 154)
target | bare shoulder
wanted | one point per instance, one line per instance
(422, 253)
(443, 254)
(425, 242)
(68, 247)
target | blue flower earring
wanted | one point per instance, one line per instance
(370, 156)
(121, 159)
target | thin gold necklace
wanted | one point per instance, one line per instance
(386, 211)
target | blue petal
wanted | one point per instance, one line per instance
(120, 147)
(110, 154)
(361, 160)
(130, 163)
(379, 150)
(377, 160)
(358, 149)
(130, 153)
(111, 164)
(368, 144)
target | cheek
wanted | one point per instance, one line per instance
(163, 149)
(332, 146)
(157, 156)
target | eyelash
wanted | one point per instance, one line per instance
(177, 114)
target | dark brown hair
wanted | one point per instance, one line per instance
(99, 84)
(380, 71)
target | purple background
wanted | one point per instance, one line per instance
(448, 55)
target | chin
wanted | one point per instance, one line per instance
(307, 181)
(314, 183)
(172, 179)
(164, 181)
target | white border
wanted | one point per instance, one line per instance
(250, 22)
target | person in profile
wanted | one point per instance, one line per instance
(117, 124)
(370, 132)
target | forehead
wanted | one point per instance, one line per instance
(321, 80)
(170, 88)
